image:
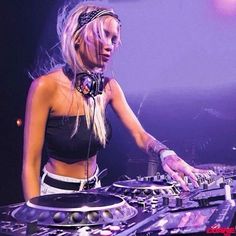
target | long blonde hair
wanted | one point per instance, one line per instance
(69, 34)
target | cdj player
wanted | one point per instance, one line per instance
(151, 205)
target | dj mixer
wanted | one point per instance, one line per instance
(150, 205)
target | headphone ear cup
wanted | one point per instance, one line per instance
(84, 83)
(99, 83)
(90, 84)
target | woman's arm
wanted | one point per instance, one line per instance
(126, 115)
(37, 108)
(172, 164)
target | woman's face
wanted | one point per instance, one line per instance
(96, 53)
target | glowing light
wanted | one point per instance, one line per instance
(19, 122)
(85, 208)
(227, 7)
(162, 222)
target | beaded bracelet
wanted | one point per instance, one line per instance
(165, 153)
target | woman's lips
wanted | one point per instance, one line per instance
(105, 57)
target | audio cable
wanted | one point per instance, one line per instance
(90, 137)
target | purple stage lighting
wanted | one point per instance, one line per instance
(226, 7)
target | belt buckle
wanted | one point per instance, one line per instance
(90, 184)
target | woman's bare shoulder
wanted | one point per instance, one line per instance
(111, 83)
(47, 83)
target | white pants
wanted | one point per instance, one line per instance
(47, 189)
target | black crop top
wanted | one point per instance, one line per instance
(62, 147)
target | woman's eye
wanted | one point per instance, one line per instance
(114, 40)
(106, 33)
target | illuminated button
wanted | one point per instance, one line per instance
(43, 216)
(147, 191)
(76, 217)
(84, 231)
(105, 233)
(107, 215)
(163, 232)
(127, 191)
(139, 178)
(59, 217)
(156, 192)
(175, 231)
(136, 191)
(114, 227)
(52, 234)
(93, 216)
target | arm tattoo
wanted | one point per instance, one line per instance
(154, 147)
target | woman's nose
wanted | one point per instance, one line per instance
(109, 46)
(108, 49)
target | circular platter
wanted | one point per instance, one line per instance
(136, 187)
(75, 209)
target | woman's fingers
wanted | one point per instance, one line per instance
(175, 175)
(176, 167)
(203, 175)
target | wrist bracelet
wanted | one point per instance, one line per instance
(162, 150)
(166, 153)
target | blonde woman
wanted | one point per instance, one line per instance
(66, 110)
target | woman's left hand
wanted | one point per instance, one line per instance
(178, 169)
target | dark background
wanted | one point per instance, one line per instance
(198, 122)
(21, 24)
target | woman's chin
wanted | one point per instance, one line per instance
(102, 66)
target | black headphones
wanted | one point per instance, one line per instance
(88, 84)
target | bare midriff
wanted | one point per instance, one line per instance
(76, 170)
